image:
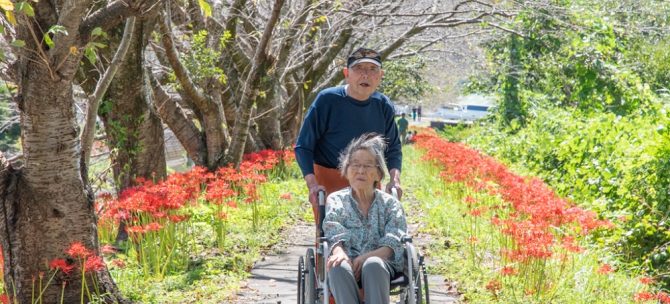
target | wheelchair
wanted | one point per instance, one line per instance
(411, 286)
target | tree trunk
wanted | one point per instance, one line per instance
(46, 204)
(267, 119)
(134, 131)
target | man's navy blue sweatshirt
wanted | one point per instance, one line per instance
(334, 119)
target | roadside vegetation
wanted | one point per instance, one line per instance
(583, 104)
(505, 238)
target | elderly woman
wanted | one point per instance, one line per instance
(364, 225)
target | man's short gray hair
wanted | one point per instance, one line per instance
(371, 142)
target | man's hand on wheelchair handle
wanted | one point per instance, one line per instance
(314, 188)
(337, 256)
(394, 182)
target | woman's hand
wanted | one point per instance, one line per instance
(357, 266)
(337, 256)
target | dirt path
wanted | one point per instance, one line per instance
(274, 278)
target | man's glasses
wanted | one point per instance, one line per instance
(367, 167)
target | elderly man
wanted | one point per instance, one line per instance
(340, 114)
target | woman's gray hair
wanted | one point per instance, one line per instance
(371, 142)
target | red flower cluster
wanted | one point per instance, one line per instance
(605, 269)
(159, 203)
(89, 261)
(534, 209)
(62, 265)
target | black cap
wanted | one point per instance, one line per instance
(364, 55)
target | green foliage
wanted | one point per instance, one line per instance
(53, 30)
(403, 79)
(91, 48)
(202, 61)
(654, 60)
(573, 56)
(9, 133)
(615, 165)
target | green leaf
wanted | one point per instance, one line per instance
(18, 43)
(89, 52)
(97, 32)
(98, 45)
(57, 29)
(48, 41)
(25, 8)
(206, 8)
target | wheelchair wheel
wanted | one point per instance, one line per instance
(419, 290)
(301, 281)
(424, 274)
(309, 291)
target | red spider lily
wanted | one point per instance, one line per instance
(108, 249)
(161, 199)
(286, 196)
(569, 244)
(222, 215)
(4, 299)
(78, 250)
(646, 280)
(508, 271)
(119, 263)
(135, 229)
(477, 212)
(218, 190)
(535, 210)
(469, 200)
(94, 264)
(663, 297)
(644, 296)
(494, 286)
(605, 269)
(178, 218)
(153, 226)
(62, 265)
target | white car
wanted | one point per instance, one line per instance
(463, 112)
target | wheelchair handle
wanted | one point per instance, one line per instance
(322, 197)
(321, 213)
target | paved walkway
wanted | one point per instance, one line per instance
(274, 279)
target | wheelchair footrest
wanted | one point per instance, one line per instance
(399, 281)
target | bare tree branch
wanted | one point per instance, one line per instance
(101, 89)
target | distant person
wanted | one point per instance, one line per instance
(403, 124)
(340, 114)
(414, 113)
(418, 113)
